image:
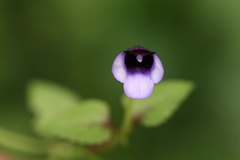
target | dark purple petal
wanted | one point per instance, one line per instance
(134, 64)
(138, 86)
(138, 50)
(118, 68)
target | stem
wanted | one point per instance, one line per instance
(127, 120)
(92, 156)
(118, 136)
(13, 141)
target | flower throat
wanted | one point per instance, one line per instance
(135, 65)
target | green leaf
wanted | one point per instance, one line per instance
(21, 143)
(66, 151)
(83, 123)
(47, 100)
(165, 100)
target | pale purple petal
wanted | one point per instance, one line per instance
(157, 70)
(118, 68)
(138, 86)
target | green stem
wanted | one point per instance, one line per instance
(119, 136)
(127, 120)
(20, 143)
(94, 157)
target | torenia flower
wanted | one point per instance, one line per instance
(139, 69)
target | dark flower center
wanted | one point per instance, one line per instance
(134, 66)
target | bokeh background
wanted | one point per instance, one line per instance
(74, 43)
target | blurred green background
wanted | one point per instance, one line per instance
(75, 42)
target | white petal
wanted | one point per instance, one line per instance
(118, 68)
(157, 70)
(138, 86)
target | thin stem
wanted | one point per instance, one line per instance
(127, 120)
(118, 136)
(94, 157)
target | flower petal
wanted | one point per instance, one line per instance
(138, 86)
(157, 70)
(118, 68)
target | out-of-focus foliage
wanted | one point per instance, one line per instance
(48, 100)
(71, 129)
(60, 113)
(75, 42)
(164, 101)
(82, 124)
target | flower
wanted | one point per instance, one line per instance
(139, 69)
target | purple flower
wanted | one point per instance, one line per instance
(139, 69)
